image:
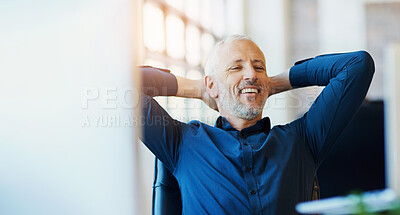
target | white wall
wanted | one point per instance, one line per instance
(392, 116)
(235, 17)
(50, 162)
(342, 25)
(343, 28)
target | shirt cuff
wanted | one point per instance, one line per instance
(298, 74)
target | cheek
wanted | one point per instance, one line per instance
(231, 84)
(265, 83)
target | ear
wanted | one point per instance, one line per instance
(211, 87)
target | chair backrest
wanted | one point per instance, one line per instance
(166, 192)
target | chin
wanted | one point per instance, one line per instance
(254, 106)
(250, 116)
(247, 112)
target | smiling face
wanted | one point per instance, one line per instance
(241, 79)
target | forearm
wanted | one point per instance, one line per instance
(342, 67)
(280, 83)
(313, 71)
(189, 88)
(160, 82)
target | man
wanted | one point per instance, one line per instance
(241, 165)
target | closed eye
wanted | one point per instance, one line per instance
(235, 68)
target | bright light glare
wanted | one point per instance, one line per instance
(153, 27)
(207, 43)
(193, 45)
(154, 63)
(175, 37)
(206, 15)
(192, 9)
(218, 19)
(178, 4)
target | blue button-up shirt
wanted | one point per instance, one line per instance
(258, 170)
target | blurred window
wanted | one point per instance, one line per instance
(178, 35)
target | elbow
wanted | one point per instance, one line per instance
(366, 62)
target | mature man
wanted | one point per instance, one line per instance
(241, 165)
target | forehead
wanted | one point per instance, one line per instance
(240, 50)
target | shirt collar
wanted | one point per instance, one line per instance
(263, 124)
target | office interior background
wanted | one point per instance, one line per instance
(66, 66)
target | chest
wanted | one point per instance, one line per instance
(228, 152)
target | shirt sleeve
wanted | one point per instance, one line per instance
(161, 133)
(347, 78)
(158, 82)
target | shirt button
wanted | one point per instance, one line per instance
(245, 144)
(253, 192)
(247, 169)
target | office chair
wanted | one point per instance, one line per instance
(166, 192)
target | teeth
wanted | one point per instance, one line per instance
(249, 90)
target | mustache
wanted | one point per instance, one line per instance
(244, 84)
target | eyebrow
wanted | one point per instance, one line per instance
(258, 61)
(254, 61)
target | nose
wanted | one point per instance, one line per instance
(249, 74)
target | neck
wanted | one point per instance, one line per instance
(239, 123)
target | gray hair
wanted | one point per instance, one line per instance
(213, 58)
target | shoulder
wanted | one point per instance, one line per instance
(295, 127)
(200, 128)
(196, 125)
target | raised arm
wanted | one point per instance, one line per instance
(161, 133)
(280, 83)
(347, 78)
(160, 82)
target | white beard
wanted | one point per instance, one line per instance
(235, 107)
